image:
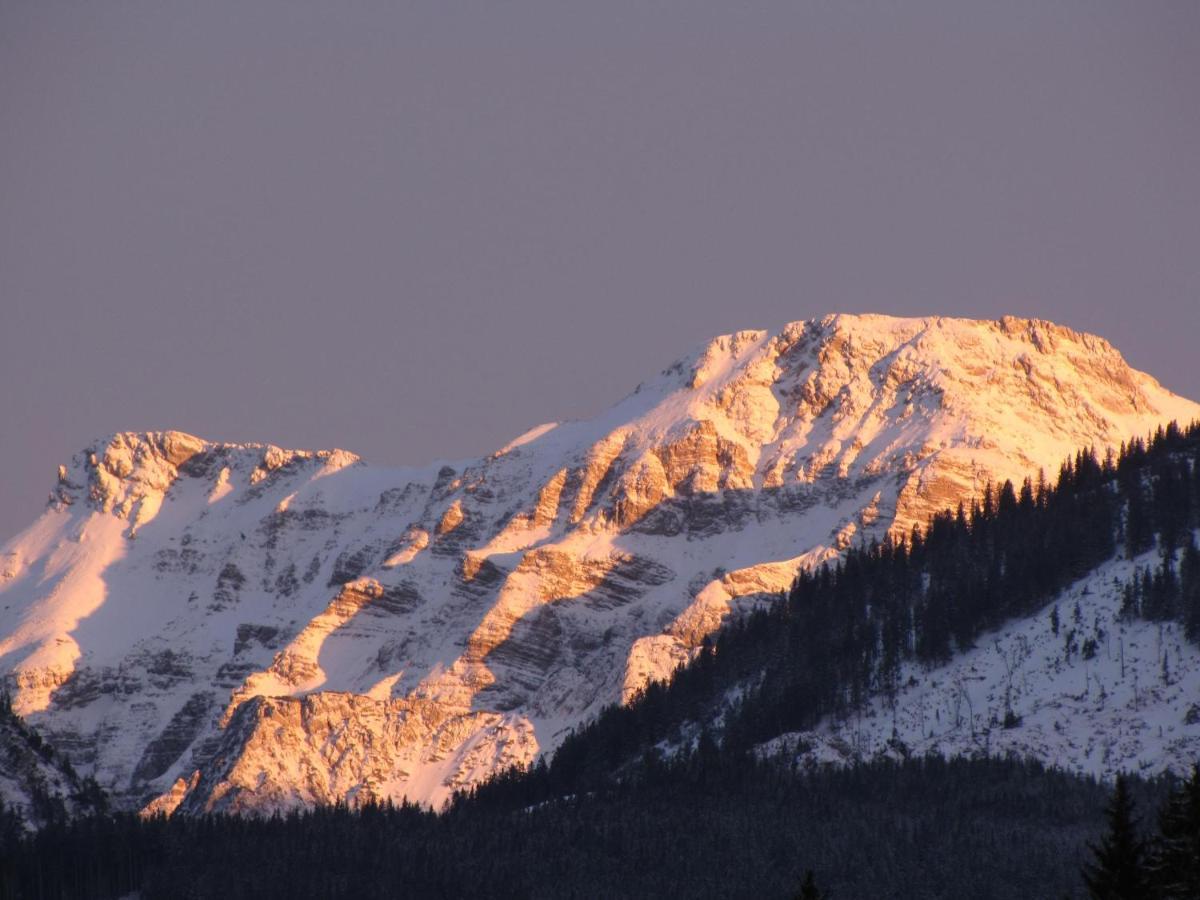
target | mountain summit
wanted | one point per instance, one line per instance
(238, 627)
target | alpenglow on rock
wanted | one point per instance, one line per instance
(239, 627)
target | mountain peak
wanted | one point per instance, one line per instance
(126, 472)
(856, 395)
(264, 628)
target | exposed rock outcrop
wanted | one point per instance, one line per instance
(247, 628)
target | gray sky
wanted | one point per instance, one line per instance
(414, 230)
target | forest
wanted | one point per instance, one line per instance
(704, 824)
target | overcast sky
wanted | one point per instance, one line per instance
(415, 230)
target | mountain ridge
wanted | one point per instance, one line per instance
(410, 631)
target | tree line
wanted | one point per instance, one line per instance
(703, 823)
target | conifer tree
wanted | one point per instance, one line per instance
(809, 890)
(1175, 854)
(1119, 871)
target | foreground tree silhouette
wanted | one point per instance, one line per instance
(1119, 872)
(1175, 855)
(809, 890)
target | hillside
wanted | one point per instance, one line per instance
(38, 786)
(239, 627)
(1060, 623)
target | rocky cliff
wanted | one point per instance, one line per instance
(215, 626)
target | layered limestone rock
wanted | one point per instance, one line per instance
(278, 753)
(213, 626)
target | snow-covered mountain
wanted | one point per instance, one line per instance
(1099, 695)
(37, 785)
(240, 627)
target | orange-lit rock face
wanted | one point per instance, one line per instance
(249, 628)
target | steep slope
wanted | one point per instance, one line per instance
(1060, 624)
(37, 785)
(246, 628)
(1113, 707)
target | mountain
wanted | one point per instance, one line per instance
(1057, 622)
(238, 627)
(37, 785)
(1103, 694)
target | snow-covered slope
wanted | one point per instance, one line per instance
(36, 784)
(248, 628)
(1100, 696)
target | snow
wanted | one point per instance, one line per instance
(168, 567)
(1112, 713)
(527, 438)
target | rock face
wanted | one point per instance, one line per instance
(37, 784)
(238, 627)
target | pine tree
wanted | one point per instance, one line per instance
(1175, 854)
(1119, 870)
(809, 890)
(1189, 585)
